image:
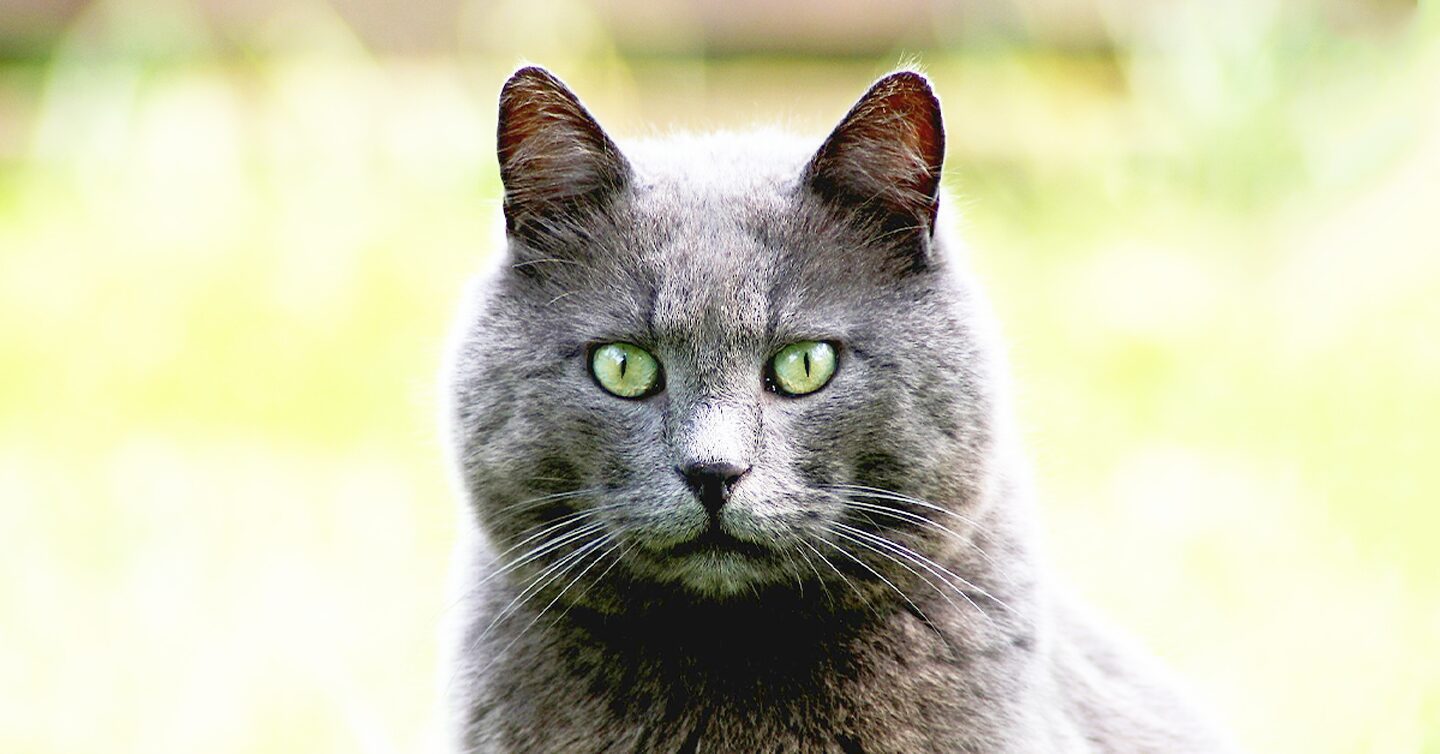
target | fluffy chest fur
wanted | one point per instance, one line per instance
(751, 679)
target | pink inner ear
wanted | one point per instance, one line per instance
(532, 101)
(888, 149)
(551, 150)
(902, 107)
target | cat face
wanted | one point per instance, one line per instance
(721, 364)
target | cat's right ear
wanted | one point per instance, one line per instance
(883, 161)
(555, 160)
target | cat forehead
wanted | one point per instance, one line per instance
(715, 198)
(749, 165)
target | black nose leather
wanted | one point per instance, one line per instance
(712, 482)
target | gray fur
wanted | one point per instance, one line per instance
(712, 253)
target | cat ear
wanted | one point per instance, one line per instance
(884, 158)
(554, 158)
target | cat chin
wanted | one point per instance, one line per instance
(710, 571)
(719, 574)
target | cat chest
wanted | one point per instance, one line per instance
(690, 713)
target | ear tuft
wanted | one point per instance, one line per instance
(554, 157)
(884, 158)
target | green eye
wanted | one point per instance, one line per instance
(803, 367)
(625, 370)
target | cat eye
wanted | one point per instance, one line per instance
(802, 368)
(625, 370)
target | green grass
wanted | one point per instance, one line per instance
(224, 290)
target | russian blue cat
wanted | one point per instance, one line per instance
(732, 426)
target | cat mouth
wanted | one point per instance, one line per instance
(714, 540)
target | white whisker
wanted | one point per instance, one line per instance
(931, 566)
(877, 575)
(541, 549)
(875, 493)
(551, 573)
(838, 572)
(557, 597)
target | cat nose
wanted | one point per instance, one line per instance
(712, 482)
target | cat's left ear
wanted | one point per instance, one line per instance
(555, 159)
(883, 160)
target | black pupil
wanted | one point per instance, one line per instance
(806, 356)
(623, 361)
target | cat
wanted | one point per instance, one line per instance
(731, 423)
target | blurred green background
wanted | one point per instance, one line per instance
(233, 233)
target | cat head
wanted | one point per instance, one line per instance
(714, 366)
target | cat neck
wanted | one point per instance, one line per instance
(785, 631)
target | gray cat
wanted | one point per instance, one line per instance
(732, 425)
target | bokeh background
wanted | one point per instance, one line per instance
(233, 234)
